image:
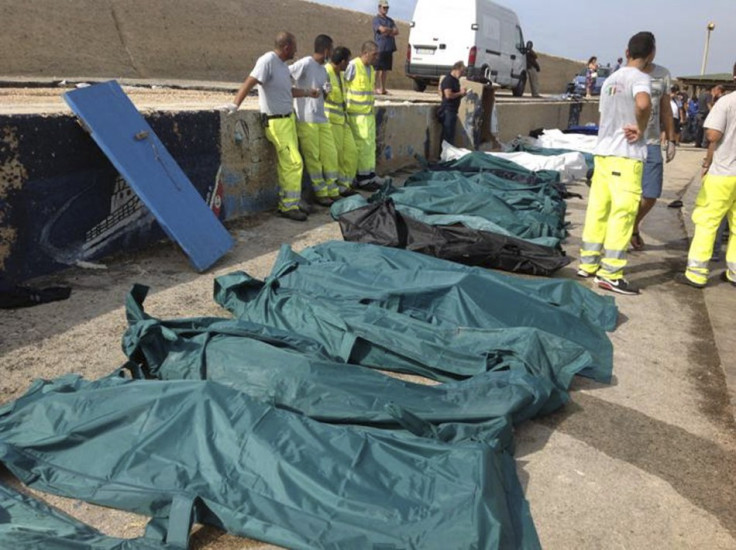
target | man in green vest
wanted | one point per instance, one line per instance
(360, 80)
(347, 154)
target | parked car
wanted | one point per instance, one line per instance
(486, 36)
(577, 86)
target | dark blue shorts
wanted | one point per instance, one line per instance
(651, 179)
(385, 61)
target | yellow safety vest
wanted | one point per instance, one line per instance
(335, 100)
(360, 95)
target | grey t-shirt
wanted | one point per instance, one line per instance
(307, 74)
(618, 109)
(661, 81)
(274, 91)
(722, 117)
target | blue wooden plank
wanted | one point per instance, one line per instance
(134, 149)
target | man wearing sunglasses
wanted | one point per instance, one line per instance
(384, 33)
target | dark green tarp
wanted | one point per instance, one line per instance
(505, 169)
(422, 282)
(451, 198)
(293, 372)
(29, 524)
(388, 308)
(183, 450)
(496, 297)
(547, 198)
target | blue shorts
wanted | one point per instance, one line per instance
(651, 179)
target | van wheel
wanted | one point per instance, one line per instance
(518, 90)
(420, 85)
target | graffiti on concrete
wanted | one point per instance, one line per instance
(12, 173)
(70, 203)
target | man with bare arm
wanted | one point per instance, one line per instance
(275, 96)
(717, 196)
(620, 152)
(661, 117)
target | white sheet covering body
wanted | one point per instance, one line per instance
(570, 165)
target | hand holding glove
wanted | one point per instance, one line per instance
(228, 108)
(671, 150)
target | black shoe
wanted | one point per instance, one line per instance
(724, 277)
(324, 201)
(294, 214)
(367, 185)
(306, 207)
(683, 280)
(22, 296)
(347, 192)
(620, 286)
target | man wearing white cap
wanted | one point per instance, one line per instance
(384, 33)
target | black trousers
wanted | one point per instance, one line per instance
(449, 123)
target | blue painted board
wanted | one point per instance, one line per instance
(134, 149)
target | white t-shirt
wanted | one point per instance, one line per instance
(661, 81)
(618, 108)
(274, 91)
(675, 109)
(307, 74)
(722, 117)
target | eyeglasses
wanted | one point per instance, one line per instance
(384, 7)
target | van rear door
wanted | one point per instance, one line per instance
(442, 33)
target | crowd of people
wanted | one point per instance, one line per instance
(319, 113)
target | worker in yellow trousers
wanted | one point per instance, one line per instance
(620, 152)
(347, 154)
(275, 96)
(360, 80)
(313, 127)
(281, 132)
(717, 196)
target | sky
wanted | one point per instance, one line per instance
(579, 30)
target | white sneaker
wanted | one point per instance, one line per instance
(620, 286)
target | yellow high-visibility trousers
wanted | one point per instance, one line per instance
(613, 203)
(347, 155)
(716, 199)
(363, 127)
(320, 157)
(282, 133)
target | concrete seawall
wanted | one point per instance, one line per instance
(61, 201)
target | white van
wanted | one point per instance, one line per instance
(486, 36)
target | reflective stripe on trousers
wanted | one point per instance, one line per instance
(320, 157)
(347, 154)
(590, 256)
(609, 219)
(363, 128)
(716, 199)
(282, 133)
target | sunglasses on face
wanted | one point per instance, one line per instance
(384, 8)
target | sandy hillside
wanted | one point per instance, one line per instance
(217, 40)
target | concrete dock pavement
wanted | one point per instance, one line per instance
(650, 460)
